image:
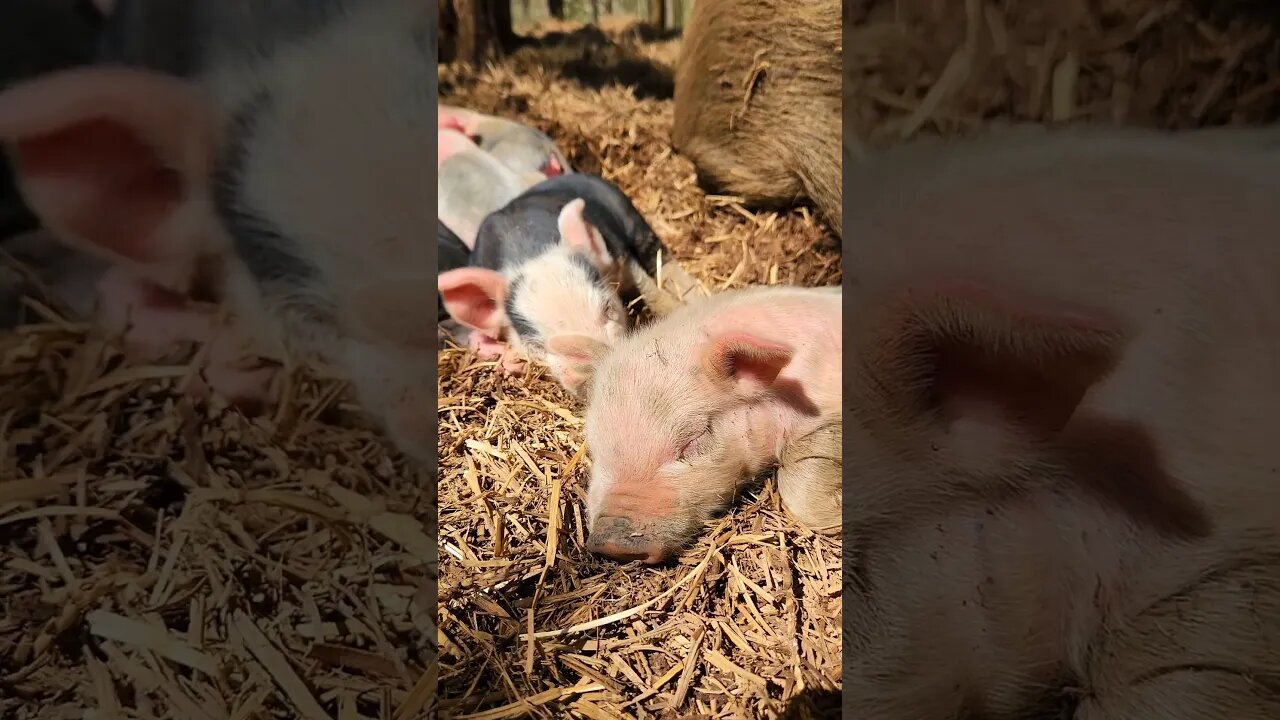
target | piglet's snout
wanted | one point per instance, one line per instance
(621, 539)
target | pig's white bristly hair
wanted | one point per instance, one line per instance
(354, 208)
(556, 293)
(649, 384)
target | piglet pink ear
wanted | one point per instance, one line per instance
(475, 297)
(450, 143)
(582, 237)
(747, 362)
(117, 163)
(986, 384)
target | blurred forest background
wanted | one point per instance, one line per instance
(478, 30)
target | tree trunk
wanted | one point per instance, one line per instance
(595, 12)
(556, 8)
(658, 14)
(608, 7)
(677, 13)
(474, 31)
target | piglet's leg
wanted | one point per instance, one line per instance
(151, 323)
(1210, 650)
(512, 364)
(155, 325)
(487, 346)
(809, 478)
(235, 373)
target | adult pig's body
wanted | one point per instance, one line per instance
(1061, 472)
(685, 412)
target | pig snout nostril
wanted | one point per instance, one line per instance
(618, 539)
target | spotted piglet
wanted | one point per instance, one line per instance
(563, 258)
(685, 413)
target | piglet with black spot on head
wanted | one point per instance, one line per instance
(561, 259)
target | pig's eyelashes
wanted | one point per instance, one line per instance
(696, 444)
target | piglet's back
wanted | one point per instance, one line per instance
(626, 232)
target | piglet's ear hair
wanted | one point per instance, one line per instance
(580, 355)
(746, 362)
(116, 162)
(989, 386)
(475, 297)
(582, 237)
(959, 351)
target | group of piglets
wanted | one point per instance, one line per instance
(682, 414)
(535, 250)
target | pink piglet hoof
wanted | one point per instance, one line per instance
(512, 365)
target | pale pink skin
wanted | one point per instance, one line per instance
(142, 296)
(733, 384)
(1078, 487)
(477, 125)
(471, 184)
(153, 324)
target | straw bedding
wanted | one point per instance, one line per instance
(163, 558)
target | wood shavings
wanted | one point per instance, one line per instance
(513, 464)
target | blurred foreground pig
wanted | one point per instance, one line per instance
(40, 36)
(471, 183)
(683, 414)
(758, 101)
(278, 150)
(1061, 486)
(563, 258)
(520, 147)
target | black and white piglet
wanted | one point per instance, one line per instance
(564, 258)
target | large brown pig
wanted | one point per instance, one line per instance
(1062, 467)
(757, 101)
